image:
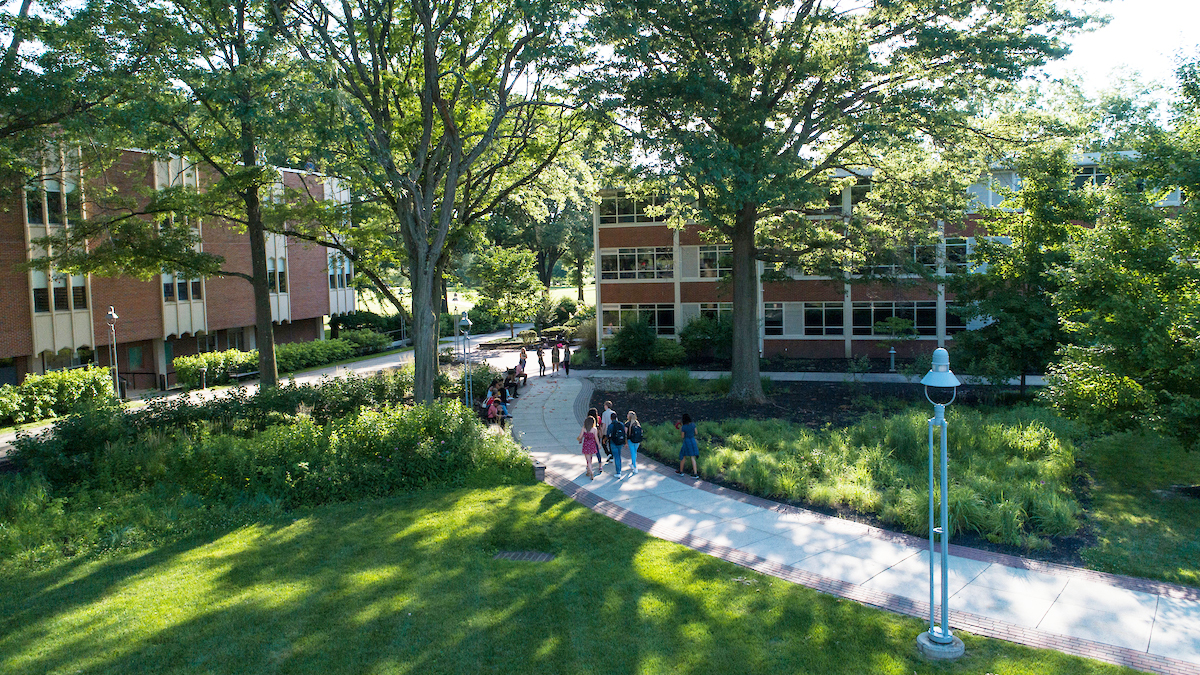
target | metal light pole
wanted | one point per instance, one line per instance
(112, 348)
(938, 642)
(465, 325)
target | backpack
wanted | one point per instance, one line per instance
(616, 433)
(635, 433)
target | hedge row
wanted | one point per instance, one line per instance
(289, 357)
(53, 394)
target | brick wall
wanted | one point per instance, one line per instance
(230, 300)
(632, 292)
(308, 266)
(16, 328)
(705, 291)
(619, 237)
(305, 330)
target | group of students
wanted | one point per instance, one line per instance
(501, 391)
(559, 354)
(603, 432)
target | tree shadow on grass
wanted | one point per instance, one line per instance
(409, 585)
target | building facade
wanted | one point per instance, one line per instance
(55, 321)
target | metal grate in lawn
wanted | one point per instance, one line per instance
(524, 556)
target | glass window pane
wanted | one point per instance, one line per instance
(62, 300)
(645, 263)
(283, 281)
(196, 290)
(54, 207)
(862, 320)
(608, 210)
(33, 204)
(183, 290)
(833, 319)
(666, 320)
(41, 299)
(79, 297)
(625, 210)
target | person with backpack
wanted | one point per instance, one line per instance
(633, 436)
(606, 418)
(616, 440)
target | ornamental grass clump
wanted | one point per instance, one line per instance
(1010, 473)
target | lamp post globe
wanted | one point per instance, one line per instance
(938, 642)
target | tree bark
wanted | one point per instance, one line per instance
(579, 278)
(424, 332)
(746, 385)
(268, 372)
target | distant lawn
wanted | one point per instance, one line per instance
(1143, 529)
(408, 585)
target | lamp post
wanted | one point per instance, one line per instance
(465, 325)
(112, 348)
(938, 642)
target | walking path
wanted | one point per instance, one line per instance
(1143, 624)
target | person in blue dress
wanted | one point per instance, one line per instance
(689, 447)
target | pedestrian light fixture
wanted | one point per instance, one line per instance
(465, 325)
(112, 348)
(940, 389)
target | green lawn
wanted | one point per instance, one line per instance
(408, 585)
(1143, 529)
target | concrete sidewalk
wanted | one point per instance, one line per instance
(788, 376)
(1146, 625)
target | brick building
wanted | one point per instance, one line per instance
(59, 321)
(647, 270)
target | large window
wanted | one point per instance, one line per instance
(1089, 175)
(638, 263)
(78, 292)
(282, 278)
(823, 318)
(773, 318)
(660, 317)
(868, 315)
(62, 295)
(716, 261)
(168, 282)
(271, 276)
(621, 209)
(925, 255)
(717, 310)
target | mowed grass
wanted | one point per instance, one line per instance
(409, 585)
(1144, 529)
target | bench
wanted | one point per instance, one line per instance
(238, 377)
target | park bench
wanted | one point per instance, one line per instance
(238, 377)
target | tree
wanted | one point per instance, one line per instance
(1013, 288)
(1130, 296)
(750, 105)
(506, 276)
(445, 109)
(216, 98)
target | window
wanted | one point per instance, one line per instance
(233, 339)
(716, 261)
(169, 350)
(135, 357)
(660, 317)
(168, 282)
(867, 316)
(54, 205)
(773, 318)
(33, 206)
(74, 207)
(271, 275)
(197, 290)
(333, 273)
(954, 321)
(344, 276)
(62, 295)
(638, 263)
(1089, 175)
(206, 343)
(621, 209)
(182, 285)
(78, 292)
(717, 311)
(823, 318)
(956, 254)
(41, 299)
(282, 276)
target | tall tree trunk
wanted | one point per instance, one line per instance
(579, 277)
(268, 372)
(424, 331)
(445, 295)
(746, 386)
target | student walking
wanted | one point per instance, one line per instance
(554, 355)
(589, 445)
(606, 419)
(541, 359)
(689, 447)
(616, 440)
(633, 437)
(567, 359)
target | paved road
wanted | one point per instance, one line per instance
(1146, 625)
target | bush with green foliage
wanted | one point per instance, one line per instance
(586, 332)
(633, 343)
(707, 339)
(667, 352)
(54, 393)
(528, 337)
(367, 320)
(366, 341)
(134, 484)
(582, 313)
(293, 356)
(564, 309)
(219, 365)
(485, 316)
(1011, 472)
(581, 357)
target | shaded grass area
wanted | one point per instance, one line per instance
(1011, 473)
(408, 585)
(1143, 528)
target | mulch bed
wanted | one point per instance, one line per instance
(838, 404)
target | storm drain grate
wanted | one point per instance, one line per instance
(524, 556)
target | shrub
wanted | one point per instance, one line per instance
(633, 343)
(633, 385)
(294, 356)
(220, 366)
(528, 337)
(586, 332)
(582, 313)
(544, 314)
(705, 339)
(564, 310)
(53, 394)
(366, 341)
(667, 352)
(581, 357)
(1086, 391)
(485, 316)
